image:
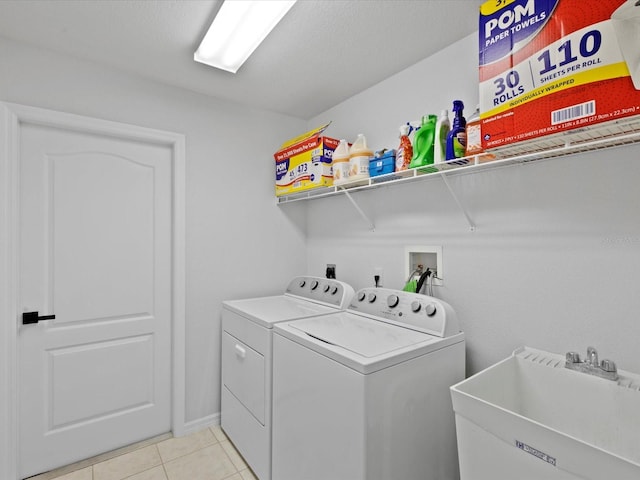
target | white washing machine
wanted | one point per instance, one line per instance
(363, 394)
(247, 359)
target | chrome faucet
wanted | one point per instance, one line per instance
(592, 357)
(604, 369)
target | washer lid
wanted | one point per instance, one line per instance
(362, 336)
(268, 310)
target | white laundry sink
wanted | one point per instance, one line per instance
(528, 417)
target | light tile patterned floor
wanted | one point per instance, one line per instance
(204, 455)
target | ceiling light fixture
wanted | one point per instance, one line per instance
(239, 27)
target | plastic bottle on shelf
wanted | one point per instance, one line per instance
(360, 156)
(442, 130)
(405, 150)
(474, 134)
(457, 137)
(341, 165)
(424, 142)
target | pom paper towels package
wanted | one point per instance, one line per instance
(305, 162)
(551, 66)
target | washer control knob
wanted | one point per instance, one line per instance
(334, 290)
(372, 297)
(361, 296)
(430, 309)
(327, 288)
(302, 283)
(392, 301)
(314, 285)
(415, 306)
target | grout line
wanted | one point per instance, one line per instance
(103, 457)
(148, 469)
(154, 441)
(164, 468)
(215, 442)
(246, 465)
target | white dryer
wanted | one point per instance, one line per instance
(363, 394)
(247, 359)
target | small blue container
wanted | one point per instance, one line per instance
(385, 163)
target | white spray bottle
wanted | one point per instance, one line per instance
(442, 129)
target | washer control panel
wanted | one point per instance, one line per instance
(330, 291)
(422, 312)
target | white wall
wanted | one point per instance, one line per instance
(555, 260)
(553, 263)
(238, 241)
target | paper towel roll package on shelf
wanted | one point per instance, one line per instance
(545, 70)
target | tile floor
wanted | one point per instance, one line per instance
(204, 455)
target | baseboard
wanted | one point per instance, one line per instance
(204, 422)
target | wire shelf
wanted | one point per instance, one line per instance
(596, 137)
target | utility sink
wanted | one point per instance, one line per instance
(530, 418)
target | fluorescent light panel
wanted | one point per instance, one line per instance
(239, 27)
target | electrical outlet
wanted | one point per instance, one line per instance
(331, 270)
(378, 274)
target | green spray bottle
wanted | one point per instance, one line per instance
(423, 142)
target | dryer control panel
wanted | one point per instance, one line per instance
(414, 310)
(329, 291)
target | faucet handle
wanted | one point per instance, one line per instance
(592, 357)
(572, 357)
(608, 365)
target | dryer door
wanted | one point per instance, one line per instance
(244, 375)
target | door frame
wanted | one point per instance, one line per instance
(11, 117)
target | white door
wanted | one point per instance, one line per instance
(95, 251)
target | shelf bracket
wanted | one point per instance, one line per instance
(472, 226)
(372, 227)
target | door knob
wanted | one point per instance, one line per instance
(33, 317)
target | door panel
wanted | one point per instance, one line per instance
(95, 250)
(112, 236)
(126, 362)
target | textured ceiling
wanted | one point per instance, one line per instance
(321, 53)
